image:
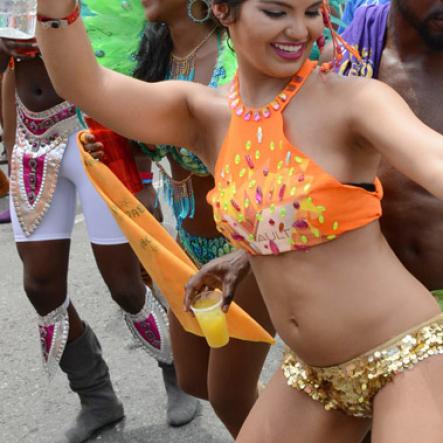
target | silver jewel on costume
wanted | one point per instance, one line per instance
(54, 331)
(41, 140)
(151, 328)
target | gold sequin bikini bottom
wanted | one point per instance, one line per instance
(351, 387)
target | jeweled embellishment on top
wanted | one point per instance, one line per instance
(266, 111)
(41, 140)
(284, 214)
(282, 200)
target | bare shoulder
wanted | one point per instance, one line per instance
(361, 91)
(334, 85)
(203, 98)
(355, 95)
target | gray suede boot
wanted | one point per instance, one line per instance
(88, 376)
(181, 408)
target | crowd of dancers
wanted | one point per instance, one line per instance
(304, 189)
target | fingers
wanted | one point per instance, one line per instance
(87, 138)
(16, 44)
(192, 289)
(23, 50)
(228, 292)
(95, 150)
(90, 145)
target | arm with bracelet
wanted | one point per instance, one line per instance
(117, 101)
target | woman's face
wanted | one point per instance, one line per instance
(276, 37)
(162, 10)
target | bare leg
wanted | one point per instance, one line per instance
(120, 270)
(227, 377)
(45, 269)
(410, 408)
(285, 415)
(191, 357)
(45, 281)
(234, 371)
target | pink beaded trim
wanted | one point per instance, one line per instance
(276, 105)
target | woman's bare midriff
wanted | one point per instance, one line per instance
(34, 86)
(342, 298)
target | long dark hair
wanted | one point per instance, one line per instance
(154, 53)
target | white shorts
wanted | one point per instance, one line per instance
(58, 221)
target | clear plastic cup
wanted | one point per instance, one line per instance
(211, 318)
(18, 19)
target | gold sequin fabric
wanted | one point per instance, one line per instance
(351, 387)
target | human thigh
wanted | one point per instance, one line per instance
(285, 415)
(409, 409)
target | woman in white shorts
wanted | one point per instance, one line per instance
(46, 175)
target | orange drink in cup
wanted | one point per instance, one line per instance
(212, 320)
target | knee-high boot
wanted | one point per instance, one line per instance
(89, 378)
(151, 328)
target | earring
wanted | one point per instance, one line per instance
(191, 15)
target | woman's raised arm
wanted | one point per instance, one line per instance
(153, 113)
(384, 120)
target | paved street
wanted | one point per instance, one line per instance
(32, 410)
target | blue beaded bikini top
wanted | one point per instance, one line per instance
(223, 73)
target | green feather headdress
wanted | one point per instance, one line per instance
(114, 28)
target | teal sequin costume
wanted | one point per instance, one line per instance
(180, 195)
(223, 73)
(115, 28)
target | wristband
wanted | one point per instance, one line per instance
(146, 177)
(60, 23)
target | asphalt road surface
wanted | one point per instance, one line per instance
(34, 410)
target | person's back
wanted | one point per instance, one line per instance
(411, 62)
(352, 6)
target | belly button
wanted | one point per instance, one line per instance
(294, 322)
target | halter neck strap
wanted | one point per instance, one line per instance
(278, 104)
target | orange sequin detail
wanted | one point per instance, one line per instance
(269, 196)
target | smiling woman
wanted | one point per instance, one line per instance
(296, 189)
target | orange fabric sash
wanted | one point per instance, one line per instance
(159, 253)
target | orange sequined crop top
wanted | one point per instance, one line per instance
(269, 197)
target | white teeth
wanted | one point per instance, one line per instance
(288, 48)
